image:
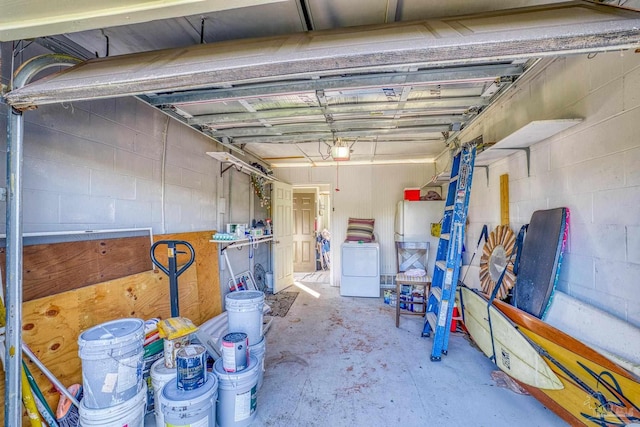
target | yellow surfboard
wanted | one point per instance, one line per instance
(596, 392)
(514, 354)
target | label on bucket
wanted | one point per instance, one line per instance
(235, 352)
(246, 404)
(128, 373)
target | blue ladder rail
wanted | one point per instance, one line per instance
(449, 254)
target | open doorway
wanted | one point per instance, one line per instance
(312, 232)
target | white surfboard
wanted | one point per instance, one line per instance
(513, 353)
(615, 338)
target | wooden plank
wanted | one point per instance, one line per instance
(59, 267)
(504, 199)
(207, 269)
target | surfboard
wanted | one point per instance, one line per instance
(593, 327)
(596, 392)
(509, 349)
(540, 260)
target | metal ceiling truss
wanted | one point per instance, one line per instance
(440, 75)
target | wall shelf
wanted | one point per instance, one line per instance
(238, 243)
(240, 165)
(438, 180)
(521, 140)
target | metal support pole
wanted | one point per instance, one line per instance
(13, 295)
(13, 301)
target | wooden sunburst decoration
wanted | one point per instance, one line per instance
(495, 253)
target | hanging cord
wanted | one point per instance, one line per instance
(518, 250)
(483, 234)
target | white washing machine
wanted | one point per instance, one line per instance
(360, 269)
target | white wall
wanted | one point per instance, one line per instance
(592, 168)
(365, 192)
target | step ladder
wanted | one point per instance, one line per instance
(449, 254)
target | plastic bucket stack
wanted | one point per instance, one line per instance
(190, 407)
(160, 375)
(244, 310)
(237, 402)
(112, 364)
(258, 351)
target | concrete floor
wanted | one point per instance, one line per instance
(340, 361)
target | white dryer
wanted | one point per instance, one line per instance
(360, 269)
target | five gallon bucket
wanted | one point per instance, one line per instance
(237, 391)
(160, 375)
(130, 413)
(245, 313)
(258, 351)
(193, 408)
(146, 377)
(112, 357)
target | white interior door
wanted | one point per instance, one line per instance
(282, 209)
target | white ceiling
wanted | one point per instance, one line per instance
(407, 112)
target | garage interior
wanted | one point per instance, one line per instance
(170, 121)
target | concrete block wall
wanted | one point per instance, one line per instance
(99, 165)
(592, 168)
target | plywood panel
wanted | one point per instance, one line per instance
(144, 295)
(50, 328)
(207, 268)
(59, 267)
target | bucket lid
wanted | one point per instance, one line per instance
(171, 393)
(113, 333)
(235, 376)
(235, 337)
(240, 297)
(160, 371)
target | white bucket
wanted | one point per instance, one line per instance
(112, 362)
(269, 279)
(129, 413)
(160, 375)
(259, 350)
(237, 401)
(183, 408)
(146, 377)
(245, 313)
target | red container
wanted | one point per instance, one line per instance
(412, 194)
(454, 320)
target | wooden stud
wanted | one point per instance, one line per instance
(504, 199)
